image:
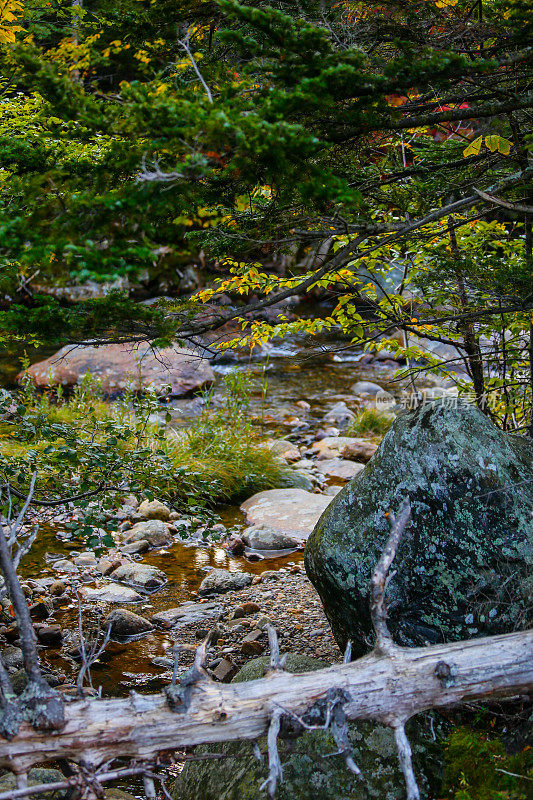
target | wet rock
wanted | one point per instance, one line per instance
(333, 446)
(49, 635)
(8, 782)
(340, 416)
(140, 546)
(140, 575)
(57, 588)
(154, 509)
(282, 447)
(126, 623)
(107, 565)
(221, 580)
(462, 565)
(366, 387)
(40, 610)
(13, 658)
(264, 538)
(117, 368)
(340, 468)
(359, 450)
(235, 546)
(64, 565)
(292, 511)
(111, 593)
(153, 531)
(187, 614)
(307, 773)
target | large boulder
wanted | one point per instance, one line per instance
(310, 770)
(463, 564)
(118, 366)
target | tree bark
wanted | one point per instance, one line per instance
(385, 688)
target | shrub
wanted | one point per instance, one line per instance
(371, 421)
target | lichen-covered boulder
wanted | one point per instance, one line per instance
(463, 567)
(310, 771)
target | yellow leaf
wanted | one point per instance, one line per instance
(474, 147)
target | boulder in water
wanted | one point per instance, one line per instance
(172, 371)
(462, 566)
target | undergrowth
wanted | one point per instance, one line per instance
(371, 421)
(80, 443)
(478, 768)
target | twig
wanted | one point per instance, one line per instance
(380, 578)
(187, 49)
(275, 770)
(406, 761)
(276, 663)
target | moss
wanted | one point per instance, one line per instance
(478, 768)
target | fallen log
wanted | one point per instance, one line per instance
(382, 687)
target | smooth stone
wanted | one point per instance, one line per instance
(111, 593)
(263, 538)
(187, 614)
(126, 623)
(140, 546)
(292, 511)
(49, 635)
(340, 468)
(282, 447)
(340, 416)
(13, 658)
(154, 531)
(366, 387)
(64, 565)
(141, 575)
(221, 580)
(154, 509)
(359, 450)
(332, 446)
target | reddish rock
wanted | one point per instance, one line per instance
(249, 608)
(118, 366)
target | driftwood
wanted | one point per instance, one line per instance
(401, 684)
(390, 685)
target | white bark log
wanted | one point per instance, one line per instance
(385, 688)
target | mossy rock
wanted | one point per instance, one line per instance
(310, 771)
(463, 567)
(35, 776)
(296, 662)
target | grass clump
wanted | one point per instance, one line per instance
(478, 768)
(372, 422)
(79, 443)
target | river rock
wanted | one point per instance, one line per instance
(359, 450)
(187, 614)
(111, 593)
(282, 447)
(64, 565)
(12, 658)
(126, 623)
(292, 511)
(462, 566)
(118, 366)
(333, 446)
(366, 387)
(154, 509)
(153, 531)
(340, 468)
(222, 580)
(264, 538)
(307, 773)
(8, 782)
(340, 415)
(140, 575)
